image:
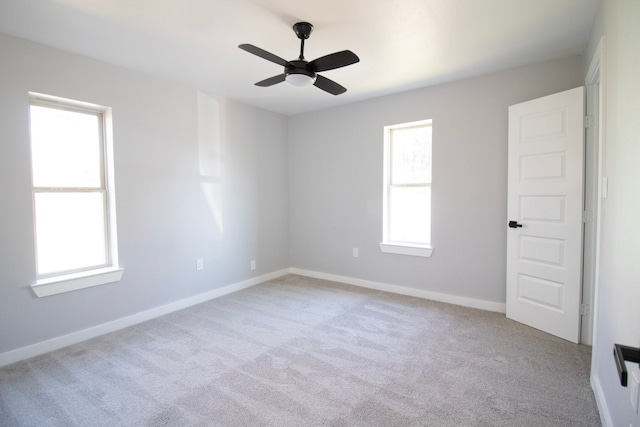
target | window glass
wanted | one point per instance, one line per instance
(70, 231)
(410, 214)
(411, 155)
(66, 148)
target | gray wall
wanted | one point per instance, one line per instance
(192, 182)
(618, 293)
(336, 181)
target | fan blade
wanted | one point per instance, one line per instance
(271, 81)
(333, 61)
(329, 85)
(264, 54)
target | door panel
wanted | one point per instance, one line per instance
(535, 290)
(535, 168)
(542, 208)
(545, 193)
(542, 250)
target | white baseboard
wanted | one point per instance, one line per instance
(402, 290)
(605, 415)
(105, 328)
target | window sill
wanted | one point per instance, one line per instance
(406, 249)
(73, 282)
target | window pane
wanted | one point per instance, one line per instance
(410, 214)
(70, 231)
(411, 155)
(65, 148)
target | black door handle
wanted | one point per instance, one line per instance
(622, 353)
(514, 224)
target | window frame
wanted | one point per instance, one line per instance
(422, 249)
(53, 283)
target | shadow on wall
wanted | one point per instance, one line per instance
(209, 154)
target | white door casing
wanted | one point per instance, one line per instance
(545, 198)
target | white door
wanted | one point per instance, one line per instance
(545, 193)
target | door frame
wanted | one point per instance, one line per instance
(595, 172)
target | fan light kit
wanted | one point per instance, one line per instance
(300, 72)
(300, 79)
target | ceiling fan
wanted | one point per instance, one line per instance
(300, 72)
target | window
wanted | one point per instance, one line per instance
(407, 189)
(73, 200)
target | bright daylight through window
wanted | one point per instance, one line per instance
(407, 189)
(74, 219)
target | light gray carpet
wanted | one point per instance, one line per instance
(304, 352)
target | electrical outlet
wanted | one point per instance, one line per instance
(356, 252)
(253, 264)
(199, 264)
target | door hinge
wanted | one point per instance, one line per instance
(589, 121)
(587, 216)
(585, 310)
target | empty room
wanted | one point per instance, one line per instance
(320, 213)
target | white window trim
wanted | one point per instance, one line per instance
(54, 285)
(73, 282)
(388, 246)
(406, 249)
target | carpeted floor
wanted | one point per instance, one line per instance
(297, 351)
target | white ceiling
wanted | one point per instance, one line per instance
(402, 44)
